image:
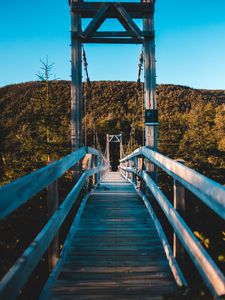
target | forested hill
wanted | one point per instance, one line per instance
(35, 121)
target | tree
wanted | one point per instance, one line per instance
(220, 127)
(199, 141)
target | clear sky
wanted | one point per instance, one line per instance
(190, 43)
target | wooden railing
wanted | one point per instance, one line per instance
(207, 190)
(20, 191)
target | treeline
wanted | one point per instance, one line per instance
(35, 127)
(35, 123)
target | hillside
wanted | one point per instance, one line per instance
(35, 123)
(191, 123)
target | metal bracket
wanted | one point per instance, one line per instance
(151, 117)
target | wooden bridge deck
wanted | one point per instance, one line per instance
(116, 252)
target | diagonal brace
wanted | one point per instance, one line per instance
(96, 21)
(126, 20)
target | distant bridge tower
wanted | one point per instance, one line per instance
(114, 138)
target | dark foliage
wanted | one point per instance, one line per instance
(192, 127)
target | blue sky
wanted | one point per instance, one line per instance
(190, 43)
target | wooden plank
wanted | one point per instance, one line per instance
(89, 9)
(112, 40)
(119, 255)
(111, 34)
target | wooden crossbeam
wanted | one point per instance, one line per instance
(97, 21)
(126, 26)
(90, 9)
(111, 34)
(113, 40)
(121, 11)
(127, 21)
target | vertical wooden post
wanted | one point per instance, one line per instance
(126, 165)
(93, 163)
(53, 203)
(150, 88)
(97, 164)
(179, 205)
(136, 168)
(107, 147)
(139, 167)
(76, 85)
(89, 167)
(121, 147)
(102, 163)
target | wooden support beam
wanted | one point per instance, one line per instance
(179, 205)
(107, 148)
(97, 21)
(127, 21)
(53, 203)
(113, 40)
(90, 9)
(76, 85)
(150, 89)
(112, 34)
(121, 146)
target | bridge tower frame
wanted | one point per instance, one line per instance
(125, 12)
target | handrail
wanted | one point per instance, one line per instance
(19, 273)
(197, 183)
(14, 194)
(207, 190)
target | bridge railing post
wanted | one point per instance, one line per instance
(126, 165)
(179, 205)
(97, 164)
(130, 174)
(53, 204)
(136, 169)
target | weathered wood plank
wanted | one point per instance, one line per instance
(113, 40)
(89, 9)
(96, 21)
(118, 255)
(127, 21)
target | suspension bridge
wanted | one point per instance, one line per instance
(116, 247)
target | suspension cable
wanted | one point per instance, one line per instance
(95, 138)
(86, 69)
(138, 89)
(140, 65)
